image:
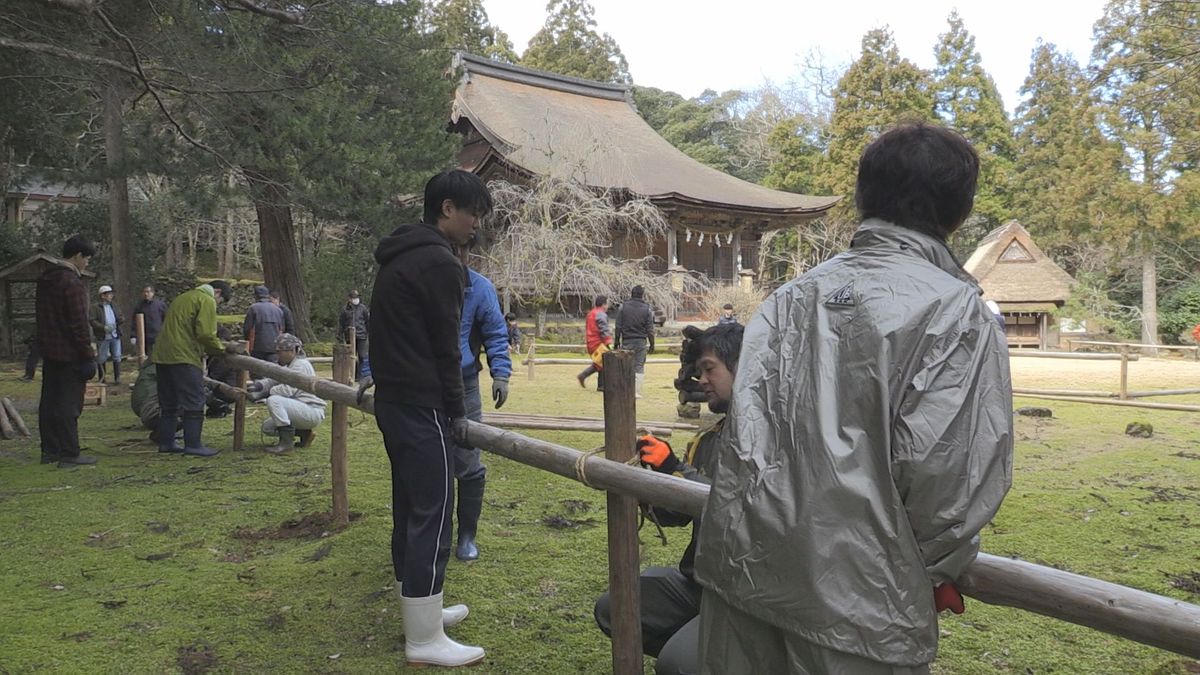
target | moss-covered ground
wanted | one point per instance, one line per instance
(149, 563)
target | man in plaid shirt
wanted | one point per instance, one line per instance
(65, 340)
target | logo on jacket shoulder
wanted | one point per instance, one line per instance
(842, 297)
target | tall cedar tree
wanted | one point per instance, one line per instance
(569, 44)
(697, 126)
(966, 99)
(1068, 174)
(879, 89)
(1150, 106)
(464, 25)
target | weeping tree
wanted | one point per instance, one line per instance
(556, 238)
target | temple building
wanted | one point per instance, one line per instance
(517, 123)
(1026, 284)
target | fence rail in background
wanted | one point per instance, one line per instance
(1151, 619)
(1194, 349)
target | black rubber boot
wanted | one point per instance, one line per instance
(470, 505)
(165, 436)
(193, 425)
(599, 380)
(306, 438)
(287, 439)
(116, 372)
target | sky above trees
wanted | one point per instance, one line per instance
(687, 46)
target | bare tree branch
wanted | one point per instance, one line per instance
(78, 6)
(70, 55)
(281, 15)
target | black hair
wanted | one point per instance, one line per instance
(150, 286)
(724, 341)
(275, 294)
(637, 292)
(463, 188)
(510, 317)
(78, 244)
(601, 300)
(918, 175)
(728, 305)
(224, 287)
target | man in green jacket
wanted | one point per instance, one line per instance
(189, 332)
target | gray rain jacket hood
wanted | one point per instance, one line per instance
(871, 440)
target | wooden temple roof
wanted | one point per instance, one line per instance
(1012, 269)
(531, 122)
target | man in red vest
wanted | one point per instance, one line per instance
(599, 340)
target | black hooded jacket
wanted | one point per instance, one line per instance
(415, 311)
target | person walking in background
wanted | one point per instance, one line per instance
(598, 339)
(514, 332)
(262, 325)
(482, 327)
(31, 358)
(289, 319)
(416, 361)
(106, 322)
(727, 315)
(871, 438)
(635, 333)
(153, 312)
(357, 316)
(292, 411)
(64, 338)
(189, 332)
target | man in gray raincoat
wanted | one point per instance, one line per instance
(871, 438)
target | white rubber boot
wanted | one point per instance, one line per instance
(451, 616)
(638, 379)
(425, 641)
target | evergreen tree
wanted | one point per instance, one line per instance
(464, 25)
(879, 89)
(1064, 186)
(966, 99)
(697, 126)
(569, 44)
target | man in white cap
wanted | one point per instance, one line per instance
(293, 411)
(106, 323)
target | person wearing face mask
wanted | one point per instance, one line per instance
(357, 316)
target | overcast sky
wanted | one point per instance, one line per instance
(688, 46)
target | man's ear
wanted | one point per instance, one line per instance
(448, 207)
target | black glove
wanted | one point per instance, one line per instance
(458, 430)
(86, 369)
(499, 391)
(363, 387)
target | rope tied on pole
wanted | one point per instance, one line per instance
(581, 465)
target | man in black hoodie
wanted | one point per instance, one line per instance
(635, 332)
(415, 309)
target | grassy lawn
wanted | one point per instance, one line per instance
(149, 563)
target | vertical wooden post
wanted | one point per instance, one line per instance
(620, 438)
(1124, 395)
(239, 414)
(139, 322)
(343, 368)
(353, 343)
(529, 359)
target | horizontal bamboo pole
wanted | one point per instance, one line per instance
(545, 362)
(567, 425)
(1151, 619)
(1133, 345)
(681, 426)
(1178, 407)
(1078, 356)
(1063, 392)
(1163, 392)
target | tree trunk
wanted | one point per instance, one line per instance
(1149, 296)
(540, 331)
(277, 238)
(119, 224)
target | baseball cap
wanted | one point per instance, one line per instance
(105, 289)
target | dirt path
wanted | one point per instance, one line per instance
(1144, 374)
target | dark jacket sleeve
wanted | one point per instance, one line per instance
(75, 299)
(344, 322)
(444, 287)
(248, 323)
(96, 318)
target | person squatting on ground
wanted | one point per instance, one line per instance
(153, 312)
(292, 411)
(482, 327)
(870, 438)
(635, 333)
(416, 363)
(263, 323)
(189, 332)
(599, 339)
(65, 342)
(357, 316)
(670, 597)
(106, 322)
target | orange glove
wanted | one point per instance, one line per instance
(946, 596)
(657, 453)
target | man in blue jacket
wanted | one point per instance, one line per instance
(482, 326)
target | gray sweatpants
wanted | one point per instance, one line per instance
(733, 642)
(287, 412)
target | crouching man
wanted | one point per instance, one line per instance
(670, 597)
(292, 411)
